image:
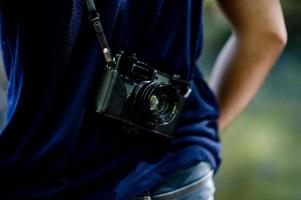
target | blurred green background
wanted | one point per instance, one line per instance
(262, 148)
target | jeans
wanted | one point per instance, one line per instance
(193, 183)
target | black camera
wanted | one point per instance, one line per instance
(140, 96)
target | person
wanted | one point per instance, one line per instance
(54, 147)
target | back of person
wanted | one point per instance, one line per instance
(53, 144)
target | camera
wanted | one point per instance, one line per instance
(136, 94)
(143, 98)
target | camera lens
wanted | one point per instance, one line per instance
(155, 102)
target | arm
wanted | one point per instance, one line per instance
(258, 37)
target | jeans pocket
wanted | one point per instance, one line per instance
(194, 183)
(201, 189)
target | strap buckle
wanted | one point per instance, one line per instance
(94, 18)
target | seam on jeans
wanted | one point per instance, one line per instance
(184, 189)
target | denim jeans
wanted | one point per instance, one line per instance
(193, 183)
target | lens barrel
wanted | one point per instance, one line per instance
(156, 103)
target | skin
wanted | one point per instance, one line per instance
(258, 38)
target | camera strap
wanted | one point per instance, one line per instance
(94, 17)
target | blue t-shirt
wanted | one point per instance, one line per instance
(52, 145)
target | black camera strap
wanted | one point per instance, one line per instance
(94, 17)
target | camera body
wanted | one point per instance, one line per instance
(143, 98)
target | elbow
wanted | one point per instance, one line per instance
(272, 43)
(271, 40)
(280, 38)
(275, 38)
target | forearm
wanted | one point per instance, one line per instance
(241, 68)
